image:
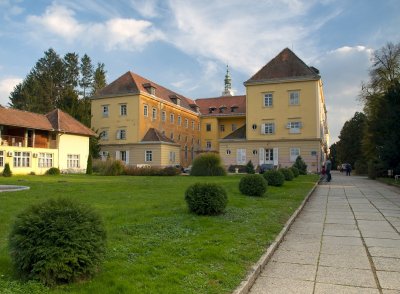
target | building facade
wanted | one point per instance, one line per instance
(282, 116)
(33, 143)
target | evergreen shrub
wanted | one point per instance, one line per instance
(287, 173)
(89, 166)
(113, 168)
(206, 198)
(250, 168)
(7, 171)
(295, 171)
(57, 241)
(53, 171)
(253, 185)
(300, 165)
(207, 164)
(274, 178)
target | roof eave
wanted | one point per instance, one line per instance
(283, 80)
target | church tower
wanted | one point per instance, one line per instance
(228, 84)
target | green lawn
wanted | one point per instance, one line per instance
(154, 244)
(389, 181)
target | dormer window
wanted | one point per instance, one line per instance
(194, 107)
(234, 108)
(211, 109)
(222, 108)
(175, 99)
(150, 88)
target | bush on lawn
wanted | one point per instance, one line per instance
(7, 171)
(113, 168)
(287, 173)
(89, 166)
(300, 165)
(53, 171)
(207, 164)
(152, 171)
(274, 178)
(295, 171)
(250, 168)
(206, 199)
(57, 241)
(253, 185)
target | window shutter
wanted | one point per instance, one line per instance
(238, 155)
(117, 155)
(261, 155)
(276, 156)
(300, 125)
(273, 128)
(263, 129)
(127, 157)
(118, 135)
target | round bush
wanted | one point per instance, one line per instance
(295, 171)
(57, 242)
(206, 199)
(253, 185)
(207, 164)
(274, 178)
(287, 173)
(53, 171)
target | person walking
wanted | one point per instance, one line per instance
(348, 169)
(323, 173)
(328, 167)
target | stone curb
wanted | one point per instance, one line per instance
(256, 269)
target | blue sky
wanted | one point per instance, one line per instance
(185, 45)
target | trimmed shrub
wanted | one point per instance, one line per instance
(89, 167)
(253, 185)
(295, 171)
(300, 165)
(287, 173)
(53, 171)
(151, 171)
(113, 168)
(207, 164)
(7, 171)
(241, 168)
(57, 241)
(274, 178)
(250, 168)
(170, 171)
(361, 167)
(206, 199)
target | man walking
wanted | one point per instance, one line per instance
(328, 167)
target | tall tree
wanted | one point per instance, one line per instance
(333, 155)
(86, 79)
(99, 78)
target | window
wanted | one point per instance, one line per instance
(186, 123)
(254, 126)
(255, 152)
(45, 160)
(179, 120)
(294, 127)
(241, 156)
(104, 155)
(268, 128)
(148, 156)
(269, 155)
(73, 161)
(123, 110)
(1, 158)
(198, 126)
(145, 110)
(186, 153)
(222, 128)
(228, 152)
(105, 110)
(208, 127)
(193, 125)
(163, 116)
(234, 127)
(154, 114)
(104, 135)
(294, 153)
(22, 159)
(123, 156)
(171, 118)
(121, 135)
(172, 156)
(268, 100)
(172, 136)
(208, 145)
(294, 98)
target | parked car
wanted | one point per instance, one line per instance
(264, 167)
(187, 170)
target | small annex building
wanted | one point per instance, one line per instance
(33, 143)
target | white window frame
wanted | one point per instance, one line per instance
(104, 135)
(2, 158)
(268, 99)
(171, 118)
(268, 128)
(208, 145)
(105, 110)
(179, 120)
(163, 116)
(269, 156)
(241, 156)
(294, 153)
(172, 156)
(22, 159)
(104, 155)
(124, 156)
(294, 127)
(123, 109)
(294, 97)
(73, 161)
(146, 110)
(186, 123)
(121, 134)
(148, 156)
(45, 160)
(193, 125)
(154, 113)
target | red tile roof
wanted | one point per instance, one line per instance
(154, 135)
(131, 83)
(286, 65)
(56, 120)
(236, 102)
(239, 133)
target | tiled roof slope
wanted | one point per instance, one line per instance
(240, 133)
(131, 83)
(55, 120)
(63, 122)
(286, 65)
(154, 135)
(238, 102)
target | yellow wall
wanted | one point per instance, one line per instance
(73, 144)
(281, 112)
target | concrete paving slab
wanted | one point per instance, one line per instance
(339, 249)
(372, 242)
(384, 252)
(270, 285)
(295, 246)
(381, 235)
(387, 264)
(356, 261)
(341, 233)
(345, 276)
(340, 289)
(353, 241)
(340, 221)
(309, 257)
(290, 270)
(340, 227)
(389, 280)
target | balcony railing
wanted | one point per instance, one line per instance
(6, 140)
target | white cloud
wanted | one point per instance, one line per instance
(6, 87)
(115, 33)
(343, 70)
(147, 8)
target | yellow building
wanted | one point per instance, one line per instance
(282, 116)
(31, 142)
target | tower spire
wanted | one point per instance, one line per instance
(228, 83)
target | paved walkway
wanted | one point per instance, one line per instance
(346, 240)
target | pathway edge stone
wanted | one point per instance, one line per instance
(245, 286)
